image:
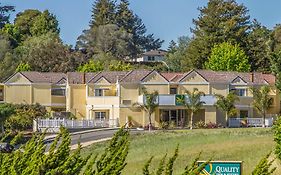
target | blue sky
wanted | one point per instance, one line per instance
(167, 19)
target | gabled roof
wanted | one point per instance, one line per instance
(155, 73)
(135, 76)
(78, 77)
(41, 77)
(110, 76)
(155, 53)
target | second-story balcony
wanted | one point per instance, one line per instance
(102, 100)
(176, 100)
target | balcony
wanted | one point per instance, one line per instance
(170, 100)
(102, 100)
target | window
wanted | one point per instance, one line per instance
(240, 92)
(127, 102)
(243, 114)
(1, 95)
(58, 92)
(150, 58)
(98, 92)
(100, 115)
(173, 90)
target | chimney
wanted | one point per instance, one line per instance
(252, 77)
(84, 78)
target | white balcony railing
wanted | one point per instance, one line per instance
(170, 99)
(249, 122)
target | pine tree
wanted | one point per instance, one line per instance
(219, 21)
(103, 12)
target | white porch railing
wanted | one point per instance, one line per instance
(53, 124)
(249, 122)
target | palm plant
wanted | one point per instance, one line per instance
(227, 104)
(193, 103)
(150, 104)
(262, 100)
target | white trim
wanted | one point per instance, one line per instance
(54, 105)
(93, 107)
(238, 77)
(149, 74)
(154, 83)
(194, 83)
(102, 96)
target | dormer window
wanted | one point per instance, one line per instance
(99, 92)
(240, 92)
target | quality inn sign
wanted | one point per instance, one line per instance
(222, 168)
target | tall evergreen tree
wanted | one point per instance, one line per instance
(219, 21)
(276, 38)
(103, 12)
(107, 13)
(258, 42)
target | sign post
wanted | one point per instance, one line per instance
(222, 168)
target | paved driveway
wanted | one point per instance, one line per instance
(89, 137)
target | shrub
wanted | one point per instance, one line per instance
(163, 125)
(263, 166)
(277, 137)
(32, 158)
(200, 124)
(172, 125)
(19, 138)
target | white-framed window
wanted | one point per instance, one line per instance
(241, 92)
(58, 91)
(1, 95)
(151, 58)
(99, 92)
(100, 115)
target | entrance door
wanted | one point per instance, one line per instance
(244, 114)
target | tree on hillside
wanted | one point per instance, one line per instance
(44, 23)
(91, 66)
(275, 60)
(5, 14)
(24, 20)
(103, 13)
(47, 53)
(176, 57)
(219, 21)
(228, 57)
(258, 44)
(227, 104)
(125, 26)
(276, 38)
(23, 67)
(262, 100)
(34, 23)
(150, 104)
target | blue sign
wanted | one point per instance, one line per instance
(222, 168)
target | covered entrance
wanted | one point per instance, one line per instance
(173, 115)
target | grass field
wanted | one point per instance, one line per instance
(247, 144)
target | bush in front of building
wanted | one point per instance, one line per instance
(277, 137)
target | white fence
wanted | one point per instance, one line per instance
(53, 124)
(249, 122)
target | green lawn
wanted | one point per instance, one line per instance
(247, 144)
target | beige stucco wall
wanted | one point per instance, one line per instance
(221, 89)
(136, 114)
(201, 87)
(18, 94)
(42, 94)
(77, 100)
(161, 88)
(129, 92)
(210, 114)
